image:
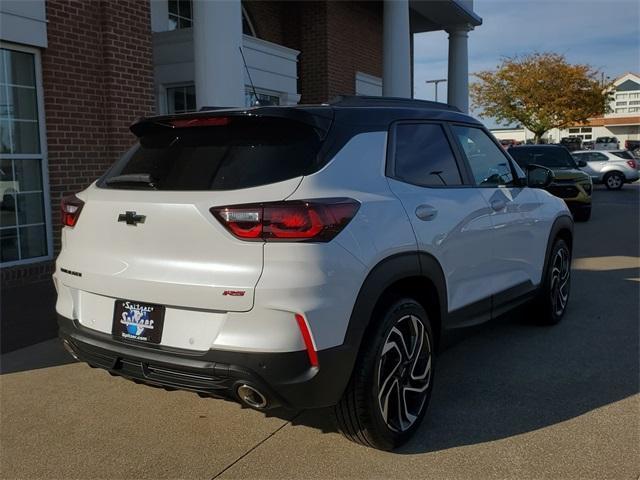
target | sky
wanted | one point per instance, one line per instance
(602, 33)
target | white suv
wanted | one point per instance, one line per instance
(306, 256)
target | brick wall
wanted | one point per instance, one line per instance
(336, 39)
(98, 78)
(354, 43)
(268, 19)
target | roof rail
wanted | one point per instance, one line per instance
(371, 101)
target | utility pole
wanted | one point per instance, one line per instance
(436, 82)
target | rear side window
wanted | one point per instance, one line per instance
(238, 153)
(625, 155)
(424, 157)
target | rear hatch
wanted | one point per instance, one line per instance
(145, 231)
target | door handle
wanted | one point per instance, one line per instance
(426, 212)
(498, 205)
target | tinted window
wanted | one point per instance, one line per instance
(424, 156)
(549, 157)
(488, 163)
(244, 153)
(625, 155)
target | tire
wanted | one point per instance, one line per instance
(613, 180)
(582, 214)
(369, 412)
(551, 303)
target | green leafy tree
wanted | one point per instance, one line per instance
(540, 91)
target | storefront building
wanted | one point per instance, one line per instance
(75, 74)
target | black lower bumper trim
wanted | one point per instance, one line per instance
(578, 206)
(285, 379)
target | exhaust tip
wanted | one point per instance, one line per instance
(251, 397)
(67, 346)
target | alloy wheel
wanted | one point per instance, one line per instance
(560, 276)
(614, 181)
(404, 373)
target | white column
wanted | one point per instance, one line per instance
(396, 56)
(159, 15)
(458, 78)
(217, 36)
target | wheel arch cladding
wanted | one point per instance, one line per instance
(415, 275)
(562, 228)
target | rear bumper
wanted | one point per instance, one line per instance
(285, 379)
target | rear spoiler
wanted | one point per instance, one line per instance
(318, 117)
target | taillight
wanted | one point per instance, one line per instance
(632, 163)
(70, 208)
(293, 221)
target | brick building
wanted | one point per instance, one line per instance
(74, 74)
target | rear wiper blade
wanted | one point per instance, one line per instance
(143, 178)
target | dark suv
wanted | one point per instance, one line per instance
(570, 183)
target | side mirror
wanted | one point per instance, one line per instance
(539, 176)
(581, 163)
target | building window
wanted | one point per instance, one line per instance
(263, 99)
(574, 130)
(634, 95)
(634, 102)
(24, 215)
(621, 110)
(634, 109)
(586, 130)
(181, 99)
(621, 96)
(180, 14)
(620, 104)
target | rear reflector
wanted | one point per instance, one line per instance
(200, 122)
(308, 342)
(70, 209)
(293, 221)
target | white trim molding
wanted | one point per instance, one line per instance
(368, 84)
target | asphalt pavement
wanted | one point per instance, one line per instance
(511, 400)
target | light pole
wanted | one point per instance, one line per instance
(436, 82)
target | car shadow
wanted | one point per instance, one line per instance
(45, 354)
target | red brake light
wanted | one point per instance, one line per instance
(313, 220)
(631, 163)
(70, 208)
(200, 122)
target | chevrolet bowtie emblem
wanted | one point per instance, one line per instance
(131, 218)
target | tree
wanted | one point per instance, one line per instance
(540, 91)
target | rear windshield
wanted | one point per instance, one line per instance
(605, 140)
(546, 156)
(624, 154)
(245, 152)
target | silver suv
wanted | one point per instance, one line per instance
(613, 168)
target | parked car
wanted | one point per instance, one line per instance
(614, 168)
(571, 143)
(508, 142)
(569, 183)
(307, 256)
(633, 146)
(588, 144)
(606, 143)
